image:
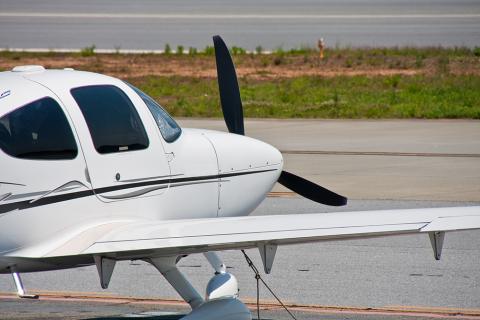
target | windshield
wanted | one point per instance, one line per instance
(112, 119)
(169, 129)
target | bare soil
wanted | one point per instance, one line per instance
(261, 67)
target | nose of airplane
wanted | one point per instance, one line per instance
(248, 170)
(239, 153)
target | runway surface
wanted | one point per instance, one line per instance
(149, 25)
(380, 159)
(371, 273)
(417, 163)
(116, 309)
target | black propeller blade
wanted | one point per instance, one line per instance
(311, 190)
(233, 114)
(228, 87)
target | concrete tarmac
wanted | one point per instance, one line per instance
(47, 308)
(379, 159)
(388, 274)
(417, 163)
(149, 25)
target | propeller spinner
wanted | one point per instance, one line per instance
(233, 114)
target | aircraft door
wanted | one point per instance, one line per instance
(193, 165)
(124, 159)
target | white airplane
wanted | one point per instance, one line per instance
(94, 171)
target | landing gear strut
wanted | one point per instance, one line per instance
(168, 268)
(221, 299)
(19, 285)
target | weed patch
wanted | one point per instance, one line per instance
(88, 51)
(316, 97)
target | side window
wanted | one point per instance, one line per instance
(169, 129)
(112, 119)
(38, 130)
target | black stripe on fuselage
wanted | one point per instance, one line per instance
(27, 204)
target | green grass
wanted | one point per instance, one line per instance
(431, 97)
(404, 51)
(352, 52)
(442, 88)
(88, 51)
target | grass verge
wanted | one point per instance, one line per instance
(393, 82)
(419, 96)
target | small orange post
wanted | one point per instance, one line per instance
(321, 46)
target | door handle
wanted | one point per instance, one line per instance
(170, 156)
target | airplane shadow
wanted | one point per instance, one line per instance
(166, 317)
(149, 317)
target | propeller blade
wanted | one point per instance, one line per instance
(228, 87)
(311, 190)
(233, 114)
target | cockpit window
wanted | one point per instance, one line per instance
(112, 119)
(38, 130)
(169, 129)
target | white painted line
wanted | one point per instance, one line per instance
(108, 51)
(232, 16)
(72, 50)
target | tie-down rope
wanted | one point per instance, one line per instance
(259, 278)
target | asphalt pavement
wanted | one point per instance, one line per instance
(376, 159)
(393, 272)
(415, 163)
(149, 25)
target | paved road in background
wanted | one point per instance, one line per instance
(386, 159)
(149, 25)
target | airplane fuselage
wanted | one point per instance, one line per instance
(68, 167)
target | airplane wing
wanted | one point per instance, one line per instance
(179, 237)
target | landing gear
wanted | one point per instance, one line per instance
(19, 285)
(221, 299)
(168, 268)
(222, 284)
